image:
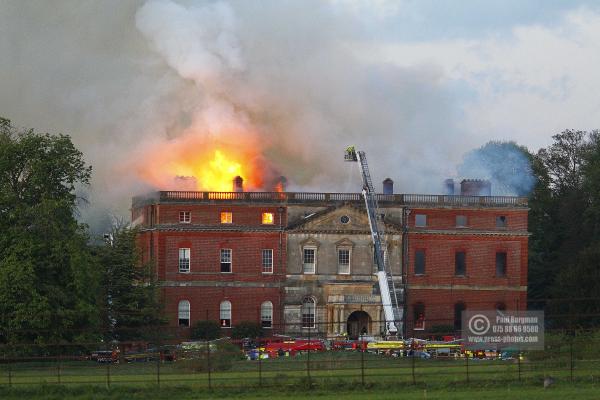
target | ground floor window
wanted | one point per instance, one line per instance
(419, 316)
(308, 312)
(266, 314)
(183, 312)
(458, 310)
(225, 314)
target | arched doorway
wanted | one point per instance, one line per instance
(359, 323)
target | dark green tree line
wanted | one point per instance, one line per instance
(129, 299)
(564, 259)
(53, 283)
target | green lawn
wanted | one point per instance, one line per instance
(347, 392)
(328, 372)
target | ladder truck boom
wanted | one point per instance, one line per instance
(391, 307)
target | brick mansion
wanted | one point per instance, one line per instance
(302, 263)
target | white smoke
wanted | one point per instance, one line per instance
(122, 77)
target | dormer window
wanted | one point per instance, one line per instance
(185, 217)
(226, 217)
(268, 218)
(420, 220)
(501, 221)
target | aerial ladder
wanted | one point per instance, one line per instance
(392, 308)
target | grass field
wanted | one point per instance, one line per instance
(324, 375)
(351, 391)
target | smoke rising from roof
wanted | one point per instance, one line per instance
(124, 78)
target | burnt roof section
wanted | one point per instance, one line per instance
(320, 199)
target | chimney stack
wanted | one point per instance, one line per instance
(388, 186)
(449, 186)
(475, 187)
(281, 184)
(238, 184)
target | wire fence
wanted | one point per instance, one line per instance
(569, 356)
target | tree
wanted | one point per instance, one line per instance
(129, 298)
(206, 330)
(565, 223)
(47, 273)
(246, 329)
(565, 159)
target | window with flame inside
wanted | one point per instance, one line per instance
(268, 218)
(226, 217)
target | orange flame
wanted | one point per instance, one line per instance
(197, 163)
(215, 175)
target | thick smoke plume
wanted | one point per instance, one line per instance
(280, 81)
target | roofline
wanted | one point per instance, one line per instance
(318, 198)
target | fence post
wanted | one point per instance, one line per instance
(572, 361)
(362, 364)
(412, 353)
(467, 365)
(308, 361)
(108, 374)
(9, 364)
(519, 365)
(58, 369)
(158, 368)
(208, 366)
(259, 366)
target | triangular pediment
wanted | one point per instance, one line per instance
(345, 242)
(343, 218)
(310, 242)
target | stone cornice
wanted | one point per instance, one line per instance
(518, 288)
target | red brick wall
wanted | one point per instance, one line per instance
(210, 214)
(439, 304)
(476, 218)
(205, 302)
(480, 259)
(205, 255)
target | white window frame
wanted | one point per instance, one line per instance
(225, 314)
(421, 224)
(266, 315)
(313, 270)
(222, 252)
(462, 225)
(347, 271)
(183, 311)
(305, 302)
(183, 262)
(228, 217)
(266, 268)
(185, 217)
